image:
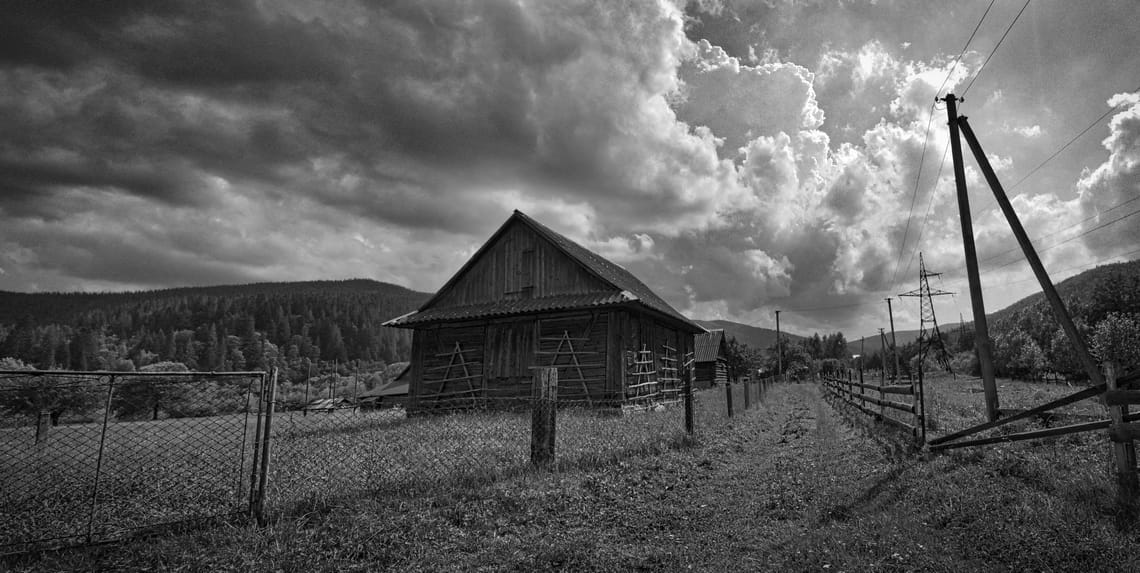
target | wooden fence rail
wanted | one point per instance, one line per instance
(857, 395)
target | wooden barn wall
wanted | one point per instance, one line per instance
(447, 367)
(501, 272)
(704, 375)
(654, 353)
(508, 357)
(576, 344)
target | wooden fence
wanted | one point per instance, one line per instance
(896, 403)
(746, 392)
(886, 402)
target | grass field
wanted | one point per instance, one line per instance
(151, 473)
(174, 470)
(787, 486)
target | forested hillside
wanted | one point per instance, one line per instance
(1028, 341)
(295, 326)
(754, 336)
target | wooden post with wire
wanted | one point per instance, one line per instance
(544, 401)
(981, 329)
(779, 350)
(894, 341)
(1043, 279)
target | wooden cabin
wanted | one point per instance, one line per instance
(531, 298)
(710, 363)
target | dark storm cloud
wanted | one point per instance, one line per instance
(23, 182)
(201, 43)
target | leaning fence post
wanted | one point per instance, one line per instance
(99, 459)
(544, 398)
(266, 450)
(1123, 452)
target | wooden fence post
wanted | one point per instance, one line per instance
(266, 451)
(544, 408)
(1123, 452)
(728, 397)
(43, 427)
(747, 398)
(688, 389)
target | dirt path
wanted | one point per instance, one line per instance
(778, 471)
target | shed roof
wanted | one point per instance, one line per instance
(707, 346)
(328, 404)
(393, 388)
(626, 287)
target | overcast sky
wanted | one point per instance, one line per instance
(737, 156)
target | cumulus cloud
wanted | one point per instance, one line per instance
(203, 142)
(1103, 189)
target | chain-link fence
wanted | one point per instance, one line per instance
(317, 456)
(94, 456)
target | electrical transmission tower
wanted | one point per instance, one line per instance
(929, 335)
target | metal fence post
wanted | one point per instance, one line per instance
(266, 451)
(99, 460)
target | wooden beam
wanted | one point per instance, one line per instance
(1046, 433)
(1124, 432)
(906, 389)
(1121, 397)
(1070, 399)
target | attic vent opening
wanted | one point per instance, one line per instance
(526, 274)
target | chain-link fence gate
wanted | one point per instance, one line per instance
(96, 456)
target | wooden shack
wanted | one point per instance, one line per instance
(710, 363)
(531, 298)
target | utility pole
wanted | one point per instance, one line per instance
(882, 357)
(779, 349)
(981, 329)
(894, 341)
(1059, 310)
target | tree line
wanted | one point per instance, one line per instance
(300, 328)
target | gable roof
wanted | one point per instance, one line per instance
(628, 289)
(707, 346)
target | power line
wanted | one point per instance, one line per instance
(1063, 229)
(1070, 142)
(834, 307)
(926, 138)
(929, 207)
(964, 48)
(1077, 267)
(914, 195)
(1073, 238)
(1058, 152)
(994, 51)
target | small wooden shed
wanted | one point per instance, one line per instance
(710, 359)
(531, 298)
(327, 405)
(392, 394)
